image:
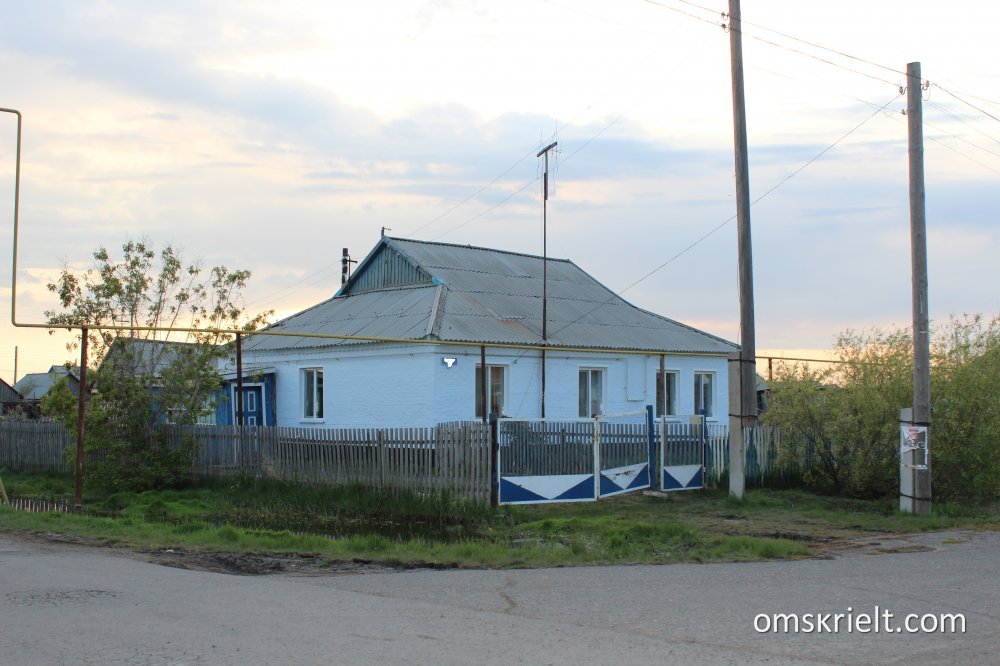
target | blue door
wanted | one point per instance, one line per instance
(253, 405)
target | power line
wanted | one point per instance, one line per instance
(968, 103)
(786, 36)
(586, 143)
(720, 226)
(958, 152)
(490, 209)
(962, 120)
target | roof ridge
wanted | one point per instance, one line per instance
(476, 247)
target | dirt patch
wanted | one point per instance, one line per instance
(905, 548)
(254, 564)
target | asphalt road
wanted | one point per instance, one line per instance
(64, 604)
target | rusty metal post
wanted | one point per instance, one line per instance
(81, 410)
(239, 397)
(239, 379)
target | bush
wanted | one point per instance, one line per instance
(848, 414)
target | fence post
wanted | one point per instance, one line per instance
(651, 433)
(380, 449)
(494, 461)
(704, 453)
(597, 457)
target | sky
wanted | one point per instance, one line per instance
(269, 136)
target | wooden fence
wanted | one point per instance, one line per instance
(771, 459)
(450, 456)
(34, 445)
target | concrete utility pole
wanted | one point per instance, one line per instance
(915, 473)
(545, 260)
(742, 366)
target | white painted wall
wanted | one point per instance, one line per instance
(376, 385)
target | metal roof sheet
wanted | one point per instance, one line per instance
(491, 296)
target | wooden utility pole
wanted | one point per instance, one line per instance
(918, 499)
(742, 414)
(545, 261)
(80, 412)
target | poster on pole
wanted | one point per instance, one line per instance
(913, 438)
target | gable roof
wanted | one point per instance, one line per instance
(408, 289)
(36, 385)
(146, 357)
(8, 394)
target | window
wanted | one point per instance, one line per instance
(703, 393)
(312, 393)
(666, 393)
(591, 393)
(495, 389)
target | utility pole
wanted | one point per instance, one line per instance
(545, 261)
(81, 410)
(915, 474)
(742, 366)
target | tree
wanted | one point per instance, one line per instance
(965, 409)
(847, 414)
(156, 330)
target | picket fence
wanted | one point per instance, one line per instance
(450, 456)
(34, 445)
(772, 459)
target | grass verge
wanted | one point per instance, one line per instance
(352, 523)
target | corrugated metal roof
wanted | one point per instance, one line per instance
(490, 296)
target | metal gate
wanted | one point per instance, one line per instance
(682, 455)
(543, 460)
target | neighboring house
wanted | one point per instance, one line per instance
(602, 355)
(10, 400)
(763, 393)
(35, 386)
(148, 358)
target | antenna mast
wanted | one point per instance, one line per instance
(545, 260)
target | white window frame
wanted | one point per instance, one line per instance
(671, 409)
(589, 399)
(319, 409)
(489, 388)
(699, 392)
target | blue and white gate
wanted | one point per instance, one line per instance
(623, 453)
(542, 460)
(682, 455)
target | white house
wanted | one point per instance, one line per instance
(413, 321)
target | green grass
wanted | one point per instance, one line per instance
(346, 523)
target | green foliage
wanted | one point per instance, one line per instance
(144, 378)
(965, 410)
(847, 415)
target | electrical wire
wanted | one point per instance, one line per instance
(561, 161)
(963, 121)
(645, 277)
(968, 103)
(786, 36)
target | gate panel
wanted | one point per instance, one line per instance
(545, 461)
(682, 456)
(572, 461)
(624, 453)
